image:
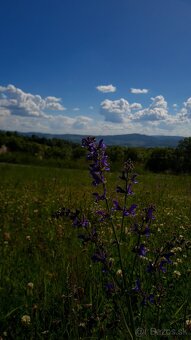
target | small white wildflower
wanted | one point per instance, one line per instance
(26, 320)
(179, 260)
(119, 273)
(30, 285)
(176, 249)
(127, 232)
(188, 324)
(144, 258)
(82, 324)
(177, 273)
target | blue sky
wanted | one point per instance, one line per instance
(96, 66)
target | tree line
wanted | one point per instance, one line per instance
(17, 148)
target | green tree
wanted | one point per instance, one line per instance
(183, 153)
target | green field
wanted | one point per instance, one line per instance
(47, 274)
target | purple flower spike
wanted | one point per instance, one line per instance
(167, 257)
(99, 158)
(132, 208)
(129, 189)
(142, 250)
(161, 266)
(137, 287)
(116, 205)
(151, 298)
(99, 197)
(147, 231)
(126, 212)
(103, 215)
(77, 222)
(149, 213)
(101, 144)
(84, 222)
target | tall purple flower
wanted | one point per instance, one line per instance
(96, 154)
(149, 213)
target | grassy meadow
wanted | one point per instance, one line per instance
(49, 286)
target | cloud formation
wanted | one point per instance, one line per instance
(139, 91)
(81, 122)
(115, 111)
(120, 110)
(106, 88)
(155, 118)
(187, 108)
(14, 101)
(158, 110)
(21, 111)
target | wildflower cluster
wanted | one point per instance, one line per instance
(132, 270)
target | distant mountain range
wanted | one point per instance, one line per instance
(131, 140)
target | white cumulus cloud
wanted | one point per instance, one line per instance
(106, 88)
(19, 103)
(115, 110)
(81, 122)
(187, 108)
(136, 106)
(158, 110)
(119, 110)
(139, 91)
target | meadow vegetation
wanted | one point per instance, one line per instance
(55, 283)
